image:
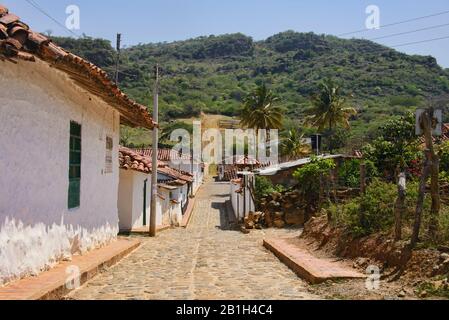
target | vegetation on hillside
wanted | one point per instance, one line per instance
(214, 74)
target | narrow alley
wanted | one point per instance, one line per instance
(208, 260)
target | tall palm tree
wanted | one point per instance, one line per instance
(330, 108)
(260, 110)
(293, 145)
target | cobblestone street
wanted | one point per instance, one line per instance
(205, 261)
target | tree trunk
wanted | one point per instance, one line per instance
(400, 206)
(426, 123)
(420, 202)
(436, 201)
(362, 178)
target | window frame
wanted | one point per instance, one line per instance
(109, 163)
(75, 165)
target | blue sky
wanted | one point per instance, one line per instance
(143, 21)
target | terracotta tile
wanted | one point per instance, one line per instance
(16, 39)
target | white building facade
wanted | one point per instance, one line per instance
(134, 196)
(241, 196)
(59, 159)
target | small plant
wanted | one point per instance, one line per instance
(437, 288)
(443, 230)
(264, 187)
(349, 172)
(310, 181)
(369, 213)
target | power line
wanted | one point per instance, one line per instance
(128, 74)
(418, 42)
(409, 32)
(396, 23)
(117, 62)
(37, 7)
(385, 49)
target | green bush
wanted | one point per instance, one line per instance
(349, 172)
(264, 187)
(444, 156)
(309, 175)
(311, 179)
(372, 212)
(443, 220)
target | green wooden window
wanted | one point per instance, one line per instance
(74, 165)
(109, 149)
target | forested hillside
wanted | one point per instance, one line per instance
(213, 74)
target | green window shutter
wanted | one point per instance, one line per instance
(74, 166)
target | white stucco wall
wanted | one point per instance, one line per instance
(238, 201)
(37, 104)
(192, 168)
(198, 177)
(130, 199)
(169, 212)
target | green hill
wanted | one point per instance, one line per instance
(213, 74)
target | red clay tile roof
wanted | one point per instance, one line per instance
(242, 161)
(230, 174)
(17, 41)
(131, 160)
(176, 174)
(165, 154)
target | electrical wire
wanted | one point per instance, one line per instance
(395, 23)
(418, 42)
(41, 10)
(409, 32)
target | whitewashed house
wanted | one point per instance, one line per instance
(242, 195)
(134, 198)
(60, 119)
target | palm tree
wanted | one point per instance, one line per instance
(330, 108)
(260, 112)
(293, 145)
(167, 130)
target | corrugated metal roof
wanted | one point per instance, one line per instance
(292, 164)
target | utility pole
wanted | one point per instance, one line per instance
(155, 152)
(117, 62)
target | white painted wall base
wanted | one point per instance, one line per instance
(29, 250)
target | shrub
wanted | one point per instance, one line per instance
(309, 175)
(443, 220)
(264, 187)
(396, 146)
(369, 213)
(444, 156)
(349, 172)
(310, 179)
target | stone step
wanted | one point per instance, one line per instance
(306, 265)
(51, 284)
